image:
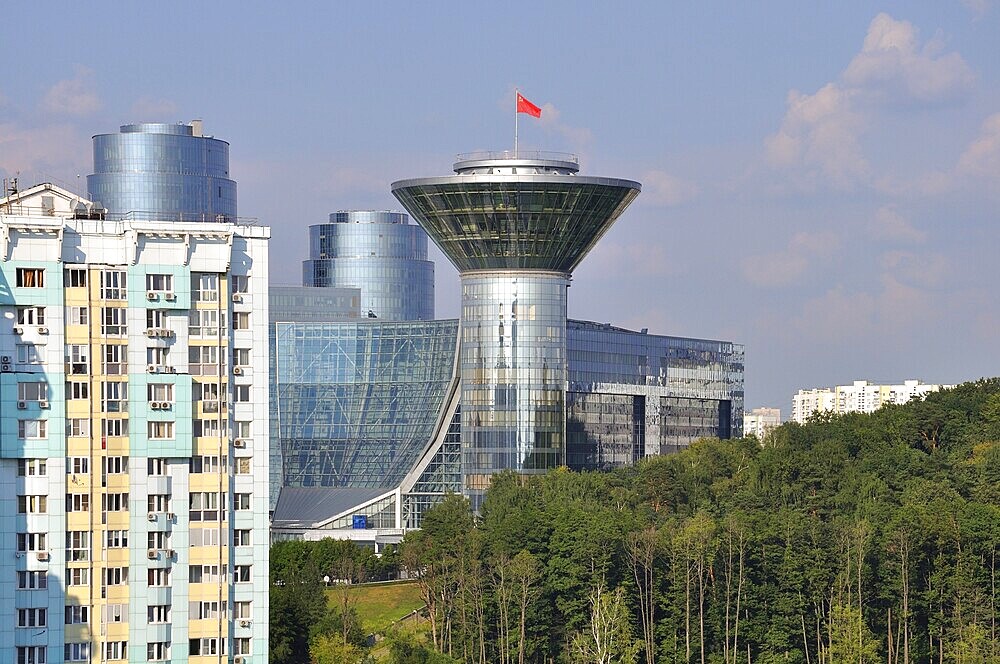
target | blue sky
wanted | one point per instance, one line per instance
(821, 183)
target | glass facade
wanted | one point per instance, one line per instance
(163, 172)
(357, 402)
(381, 254)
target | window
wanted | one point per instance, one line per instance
(30, 467)
(78, 576)
(77, 652)
(240, 283)
(32, 504)
(77, 427)
(75, 277)
(114, 321)
(32, 617)
(209, 645)
(206, 464)
(77, 502)
(204, 360)
(113, 285)
(114, 428)
(114, 576)
(77, 545)
(242, 610)
(115, 650)
(205, 287)
(30, 354)
(30, 542)
(161, 430)
(241, 357)
(211, 428)
(158, 651)
(158, 614)
(77, 390)
(206, 573)
(160, 392)
(31, 315)
(32, 429)
(157, 318)
(77, 465)
(156, 466)
(206, 610)
(158, 502)
(157, 540)
(242, 465)
(205, 506)
(30, 277)
(241, 501)
(115, 359)
(32, 391)
(158, 577)
(114, 397)
(241, 645)
(205, 322)
(76, 316)
(204, 537)
(114, 613)
(161, 283)
(32, 580)
(241, 538)
(116, 539)
(114, 465)
(114, 502)
(243, 429)
(157, 356)
(241, 393)
(77, 615)
(241, 320)
(30, 654)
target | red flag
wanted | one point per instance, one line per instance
(525, 106)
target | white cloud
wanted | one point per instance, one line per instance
(889, 224)
(781, 268)
(55, 151)
(894, 65)
(149, 109)
(73, 96)
(661, 188)
(982, 157)
(578, 137)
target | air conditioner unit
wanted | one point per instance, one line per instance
(169, 297)
(18, 329)
(151, 516)
(151, 554)
(43, 556)
(239, 660)
(5, 359)
(240, 443)
(151, 295)
(43, 330)
(169, 553)
(237, 371)
(244, 623)
(154, 405)
(151, 333)
(237, 298)
(152, 368)
(167, 333)
(170, 369)
(5, 367)
(43, 404)
(21, 405)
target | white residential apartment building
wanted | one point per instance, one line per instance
(760, 421)
(133, 436)
(859, 397)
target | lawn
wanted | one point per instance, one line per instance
(379, 605)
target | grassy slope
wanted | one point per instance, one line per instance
(379, 605)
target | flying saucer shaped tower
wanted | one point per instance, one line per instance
(515, 227)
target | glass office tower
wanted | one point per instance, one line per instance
(163, 172)
(515, 227)
(379, 252)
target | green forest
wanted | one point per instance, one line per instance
(853, 538)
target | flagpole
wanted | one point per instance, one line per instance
(515, 122)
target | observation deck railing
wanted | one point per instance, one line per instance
(484, 155)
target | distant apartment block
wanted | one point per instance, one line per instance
(859, 397)
(759, 421)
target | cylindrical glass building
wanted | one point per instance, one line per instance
(163, 172)
(515, 226)
(381, 253)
